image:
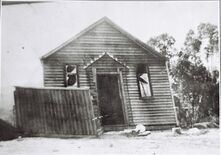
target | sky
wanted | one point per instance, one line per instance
(32, 30)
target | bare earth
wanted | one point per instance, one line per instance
(157, 143)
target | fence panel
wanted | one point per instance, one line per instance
(55, 111)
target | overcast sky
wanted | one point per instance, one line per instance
(31, 30)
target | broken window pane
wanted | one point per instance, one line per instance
(71, 75)
(143, 80)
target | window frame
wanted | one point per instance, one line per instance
(65, 75)
(149, 78)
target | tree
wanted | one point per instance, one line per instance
(192, 47)
(198, 87)
(163, 43)
(209, 33)
(195, 80)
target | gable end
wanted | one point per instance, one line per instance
(146, 48)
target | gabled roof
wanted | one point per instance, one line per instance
(129, 36)
(108, 56)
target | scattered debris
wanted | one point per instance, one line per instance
(193, 131)
(212, 125)
(145, 133)
(158, 142)
(140, 128)
(176, 130)
(19, 138)
(200, 125)
(205, 125)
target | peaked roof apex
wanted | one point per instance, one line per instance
(106, 19)
(105, 54)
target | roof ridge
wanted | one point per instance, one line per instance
(135, 39)
(111, 23)
(74, 37)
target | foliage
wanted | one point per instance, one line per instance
(192, 47)
(196, 88)
(209, 32)
(163, 43)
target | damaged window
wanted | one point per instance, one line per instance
(71, 75)
(143, 80)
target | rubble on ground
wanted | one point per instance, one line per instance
(140, 130)
(196, 131)
(145, 133)
(200, 125)
(205, 125)
(193, 131)
(176, 130)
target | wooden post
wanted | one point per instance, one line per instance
(17, 111)
(94, 71)
(174, 107)
(122, 94)
(99, 129)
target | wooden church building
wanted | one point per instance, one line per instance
(127, 79)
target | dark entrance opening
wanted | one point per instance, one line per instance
(109, 99)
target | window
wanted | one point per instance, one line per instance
(143, 80)
(71, 76)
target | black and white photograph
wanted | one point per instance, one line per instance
(109, 77)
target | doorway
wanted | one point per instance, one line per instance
(110, 102)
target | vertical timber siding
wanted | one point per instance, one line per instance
(158, 110)
(54, 111)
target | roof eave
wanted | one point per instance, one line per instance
(128, 35)
(136, 40)
(73, 38)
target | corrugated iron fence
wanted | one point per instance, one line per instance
(55, 111)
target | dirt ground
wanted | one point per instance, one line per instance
(157, 143)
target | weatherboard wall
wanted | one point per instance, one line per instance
(158, 110)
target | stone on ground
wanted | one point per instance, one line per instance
(200, 125)
(194, 131)
(140, 128)
(176, 130)
(205, 125)
(145, 133)
(212, 125)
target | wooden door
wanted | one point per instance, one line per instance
(109, 99)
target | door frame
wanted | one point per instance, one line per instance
(121, 92)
